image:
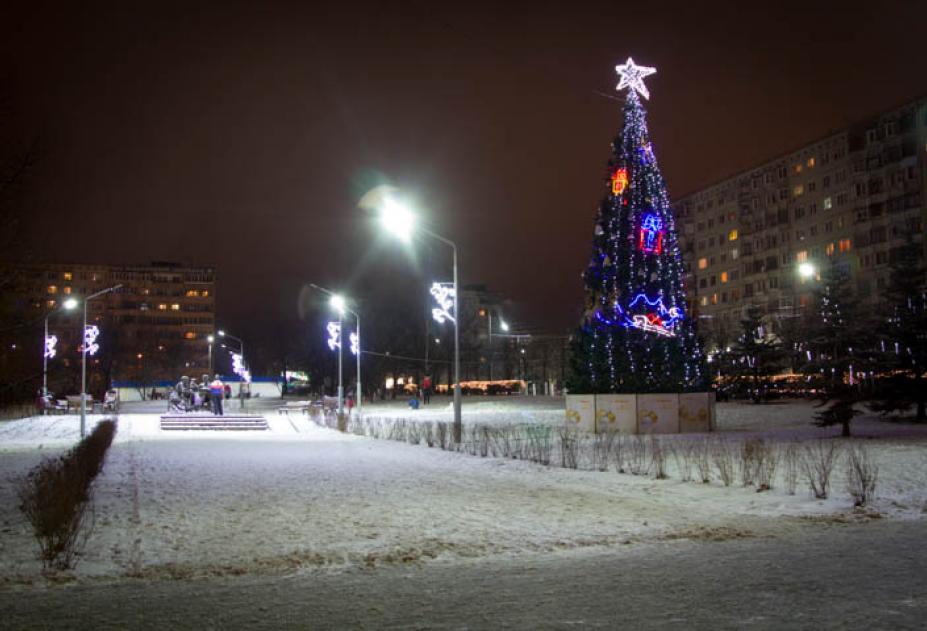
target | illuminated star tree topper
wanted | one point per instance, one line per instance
(632, 76)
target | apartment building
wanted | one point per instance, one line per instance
(155, 326)
(762, 237)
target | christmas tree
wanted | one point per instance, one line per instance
(635, 335)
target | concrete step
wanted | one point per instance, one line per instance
(210, 422)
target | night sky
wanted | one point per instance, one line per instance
(242, 135)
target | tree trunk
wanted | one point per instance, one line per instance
(846, 429)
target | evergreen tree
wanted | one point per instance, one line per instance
(903, 334)
(635, 335)
(756, 354)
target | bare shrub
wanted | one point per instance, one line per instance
(658, 457)
(682, 451)
(618, 452)
(569, 442)
(767, 463)
(722, 455)
(817, 460)
(791, 465)
(414, 433)
(428, 433)
(486, 440)
(751, 453)
(862, 474)
(539, 444)
(441, 430)
(701, 456)
(602, 449)
(55, 497)
(638, 463)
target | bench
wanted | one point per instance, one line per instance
(73, 403)
(294, 406)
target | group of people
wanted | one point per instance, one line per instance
(190, 395)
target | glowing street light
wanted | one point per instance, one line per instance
(806, 270)
(244, 374)
(210, 339)
(398, 220)
(88, 339)
(50, 341)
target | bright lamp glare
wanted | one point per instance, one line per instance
(70, 303)
(221, 333)
(397, 219)
(210, 339)
(337, 303)
(806, 270)
(504, 325)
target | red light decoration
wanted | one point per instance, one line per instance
(619, 181)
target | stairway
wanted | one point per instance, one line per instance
(229, 422)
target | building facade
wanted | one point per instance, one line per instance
(154, 327)
(762, 237)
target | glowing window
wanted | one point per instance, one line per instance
(732, 235)
(714, 299)
(798, 168)
(190, 335)
(51, 304)
(704, 301)
(52, 289)
(723, 277)
(67, 291)
(829, 250)
(801, 257)
(734, 254)
(811, 163)
(798, 191)
(146, 292)
(828, 204)
(175, 307)
(844, 245)
(67, 276)
(162, 307)
(192, 293)
(205, 293)
(702, 263)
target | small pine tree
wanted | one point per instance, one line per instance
(902, 351)
(756, 355)
(635, 334)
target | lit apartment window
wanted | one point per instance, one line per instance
(829, 250)
(205, 293)
(723, 277)
(811, 163)
(192, 293)
(146, 292)
(190, 335)
(67, 291)
(162, 307)
(67, 276)
(51, 304)
(703, 301)
(844, 245)
(734, 254)
(52, 289)
(732, 235)
(702, 263)
(798, 191)
(175, 307)
(798, 168)
(714, 299)
(801, 257)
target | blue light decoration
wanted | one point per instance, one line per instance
(651, 234)
(649, 315)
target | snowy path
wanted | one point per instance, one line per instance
(863, 576)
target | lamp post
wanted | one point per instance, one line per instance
(503, 326)
(68, 305)
(244, 364)
(398, 220)
(339, 304)
(83, 362)
(210, 339)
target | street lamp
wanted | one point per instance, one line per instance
(210, 339)
(83, 362)
(340, 305)
(401, 222)
(806, 270)
(244, 364)
(48, 350)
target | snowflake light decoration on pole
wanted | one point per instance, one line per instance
(51, 341)
(635, 334)
(355, 343)
(91, 333)
(444, 295)
(334, 335)
(238, 367)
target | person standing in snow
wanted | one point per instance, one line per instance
(216, 393)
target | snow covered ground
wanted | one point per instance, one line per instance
(304, 498)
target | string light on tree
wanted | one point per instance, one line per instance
(635, 335)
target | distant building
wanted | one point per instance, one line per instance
(762, 237)
(154, 327)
